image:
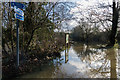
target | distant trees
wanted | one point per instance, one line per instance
(93, 21)
(89, 35)
(102, 16)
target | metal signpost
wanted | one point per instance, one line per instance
(17, 42)
(19, 15)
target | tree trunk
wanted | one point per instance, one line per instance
(114, 25)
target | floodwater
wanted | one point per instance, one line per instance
(81, 61)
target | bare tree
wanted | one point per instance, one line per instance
(115, 17)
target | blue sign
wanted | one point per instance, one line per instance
(17, 16)
(18, 5)
(19, 11)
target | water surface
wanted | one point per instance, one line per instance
(81, 61)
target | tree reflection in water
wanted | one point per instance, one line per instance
(102, 62)
(66, 54)
(81, 61)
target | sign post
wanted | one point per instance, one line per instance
(17, 42)
(19, 15)
(67, 36)
(66, 46)
(67, 39)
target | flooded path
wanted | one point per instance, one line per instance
(81, 61)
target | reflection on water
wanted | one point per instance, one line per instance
(81, 61)
(66, 55)
(118, 58)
